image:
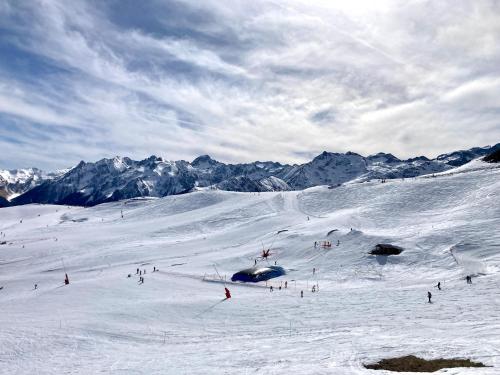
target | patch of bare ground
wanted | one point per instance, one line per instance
(411, 363)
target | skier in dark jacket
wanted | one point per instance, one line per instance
(429, 295)
(438, 285)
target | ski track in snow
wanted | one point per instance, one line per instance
(367, 307)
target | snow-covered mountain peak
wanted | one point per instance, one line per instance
(15, 182)
(121, 177)
(204, 162)
(382, 157)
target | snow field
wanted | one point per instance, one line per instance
(367, 308)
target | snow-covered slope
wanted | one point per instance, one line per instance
(367, 307)
(119, 178)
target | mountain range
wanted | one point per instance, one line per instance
(108, 180)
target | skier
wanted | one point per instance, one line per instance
(137, 271)
(275, 262)
(439, 285)
(314, 270)
(140, 273)
(301, 294)
(66, 280)
(228, 293)
(338, 242)
(279, 288)
(286, 284)
(36, 286)
(313, 289)
(144, 272)
(271, 288)
(154, 269)
(429, 295)
(315, 243)
(255, 262)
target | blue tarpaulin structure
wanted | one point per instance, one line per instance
(256, 274)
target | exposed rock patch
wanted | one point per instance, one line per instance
(494, 157)
(411, 363)
(386, 249)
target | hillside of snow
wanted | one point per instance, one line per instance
(367, 307)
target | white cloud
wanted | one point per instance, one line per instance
(251, 80)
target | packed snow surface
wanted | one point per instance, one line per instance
(177, 322)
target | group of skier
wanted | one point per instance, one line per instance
(468, 278)
(141, 273)
(324, 244)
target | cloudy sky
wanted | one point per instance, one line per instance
(245, 80)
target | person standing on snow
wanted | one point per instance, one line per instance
(429, 295)
(301, 294)
(227, 292)
(439, 285)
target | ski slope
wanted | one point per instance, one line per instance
(367, 307)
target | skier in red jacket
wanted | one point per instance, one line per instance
(228, 293)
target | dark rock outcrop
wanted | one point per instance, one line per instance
(386, 249)
(4, 202)
(494, 157)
